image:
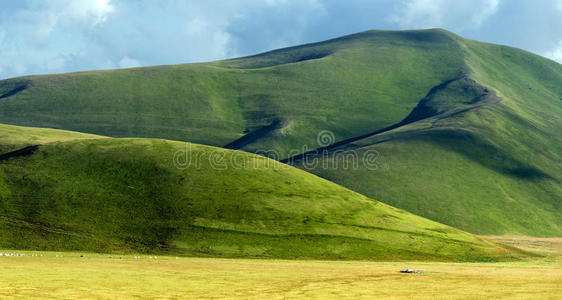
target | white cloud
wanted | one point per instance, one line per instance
(556, 53)
(308, 3)
(127, 62)
(487, 8)
(46, 36)
(421, 14)
(45, 16)
(91, 11)
(276, 2)
(49, 36)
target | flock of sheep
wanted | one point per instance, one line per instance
(18, 254)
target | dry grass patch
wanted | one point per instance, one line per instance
(548, 246)
(98, 276)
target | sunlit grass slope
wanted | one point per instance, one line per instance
(475, 144)
(128, 195)
(16, 137)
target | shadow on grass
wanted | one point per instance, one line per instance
(11, 87)
(481, 152)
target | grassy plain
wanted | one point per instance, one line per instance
(99, 276)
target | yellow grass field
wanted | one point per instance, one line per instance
(112, 276)
(546, 246)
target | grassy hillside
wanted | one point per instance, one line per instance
(16, 137)
(129, 195)
(380, 77)
(468, 133)
(483, 159)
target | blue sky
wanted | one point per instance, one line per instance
(53, 36)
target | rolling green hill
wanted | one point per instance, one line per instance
(17, 137)
(159, 196)
(468, 133)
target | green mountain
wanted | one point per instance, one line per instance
(351, 86)
(127, 195)
(479, 152)
(467, 133)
